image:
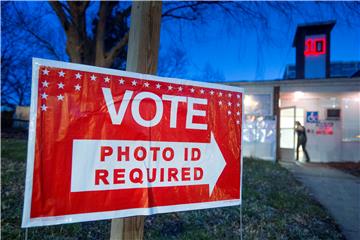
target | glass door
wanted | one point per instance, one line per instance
(287, 133)
(287, 124)
(288, 139)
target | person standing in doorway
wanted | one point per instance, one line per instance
(301, 140)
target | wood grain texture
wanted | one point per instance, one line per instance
(144, 37)
(143, 49)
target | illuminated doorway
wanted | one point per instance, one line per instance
(288, 138)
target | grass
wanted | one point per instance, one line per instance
(275, 206)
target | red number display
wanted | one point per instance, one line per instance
(315, 46)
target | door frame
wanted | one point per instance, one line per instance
(290, 152)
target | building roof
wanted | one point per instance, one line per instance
(313, 26)
(339, 69)
(351, 82)
(357, 74)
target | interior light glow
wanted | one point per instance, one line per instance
(249, 101)
(298, 95)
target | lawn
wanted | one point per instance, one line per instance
(275, 206)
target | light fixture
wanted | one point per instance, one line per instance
(247, 100)
(298, 95)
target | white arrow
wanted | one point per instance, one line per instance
(154, 171)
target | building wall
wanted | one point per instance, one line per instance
(339, 146)
(342, 144)
(259, 128)
(21, 117)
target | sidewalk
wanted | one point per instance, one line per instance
(337, 191)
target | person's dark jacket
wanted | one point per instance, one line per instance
(301, 133)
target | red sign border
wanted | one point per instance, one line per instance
(72, 218)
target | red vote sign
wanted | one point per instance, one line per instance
(106, 144)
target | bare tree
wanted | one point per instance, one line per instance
(96, 49)
(96, 33)
(172, 62)
(24, 35)
(211, 74)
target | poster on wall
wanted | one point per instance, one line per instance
(324, 128)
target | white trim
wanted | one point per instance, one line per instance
(242, 144)
(76, 66)
(44, 221)
(73, 218)
(31, 143)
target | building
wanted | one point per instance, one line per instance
(323, 96)
(337, 70)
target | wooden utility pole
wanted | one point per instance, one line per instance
(142, 57)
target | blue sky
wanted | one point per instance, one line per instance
(235, 50)
(238, 52)
(240, 55)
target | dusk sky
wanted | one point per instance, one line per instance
(239, 55)
(238, 52)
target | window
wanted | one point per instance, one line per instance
(258, 104)
(350, 119)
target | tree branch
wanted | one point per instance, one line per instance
(114, 51)
(104, 11)
(58, 9)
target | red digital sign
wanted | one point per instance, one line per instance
(315, 46)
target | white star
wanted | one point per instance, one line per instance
(77, 87)
(229, 95)
(180, 88)
(43, 107)
(134, 83)
(220, 102)
(237, 122)
(107, 79)
(146, 84)
(170, 87)
(211, 92)
(158, 86)
(202, 91)
(61, 73)
(61, 85)
(192, 90)
(220, 94)
(238, 96)
(229, 112)
(229, 104)
(238, 104)
(44, 96)
(121, 81)
(238, 113)
(78, 76)
(93, 77)
(60, 97)
(45, 83)
(45, 72)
